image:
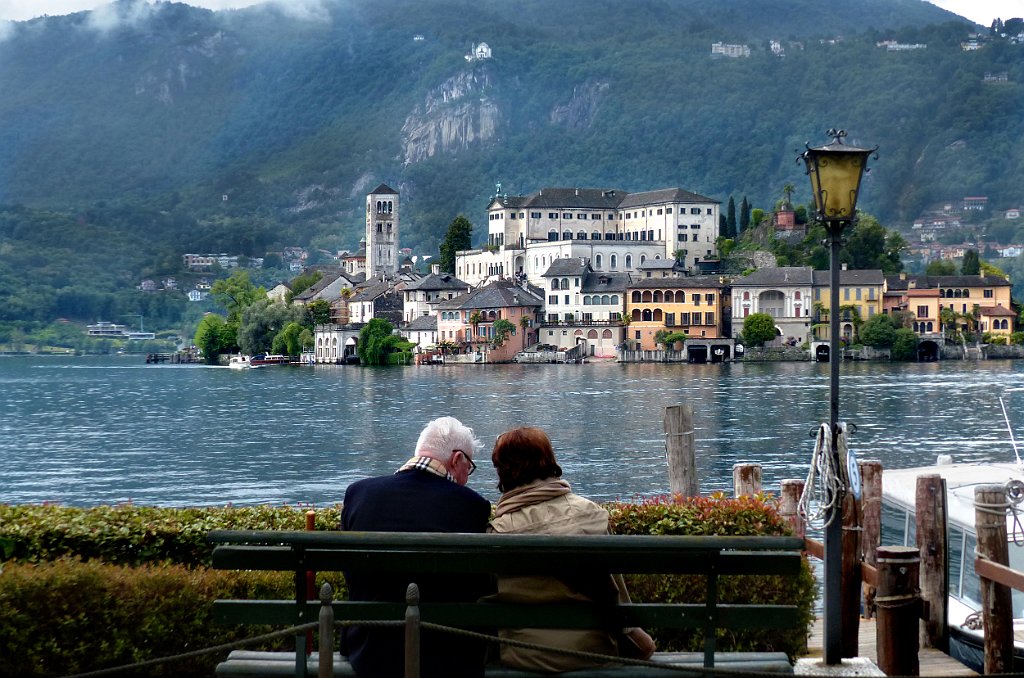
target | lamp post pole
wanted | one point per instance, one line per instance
(835, 171)
(834, 520)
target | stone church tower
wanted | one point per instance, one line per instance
(382, 231)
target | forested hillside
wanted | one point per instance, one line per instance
(151, 130)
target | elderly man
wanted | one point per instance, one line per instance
(427, 494)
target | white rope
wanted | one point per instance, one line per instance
(826, 481)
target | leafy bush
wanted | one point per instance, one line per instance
(717, 515)
(904, 345)
(127, 534)
(70, 616)
(1017, 338)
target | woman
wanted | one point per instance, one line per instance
(535, 500)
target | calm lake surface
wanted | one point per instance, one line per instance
(96, 430)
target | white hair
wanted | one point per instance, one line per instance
(442, 436)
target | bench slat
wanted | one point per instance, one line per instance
(705, 561)
(511, 615)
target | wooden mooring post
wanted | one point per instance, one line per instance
(930, 507)
(870, 523)
(996, 604)
(789, 502)
(746, 480)
(849, 601)
(680, 450)
(898, 606)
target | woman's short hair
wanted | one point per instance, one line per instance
(523, 455)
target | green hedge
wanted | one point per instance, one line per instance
(84, 589)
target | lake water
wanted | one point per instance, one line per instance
(95, 430)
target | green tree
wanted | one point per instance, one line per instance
(260, 323)
(289, 340)
(730, 219)
(236, 292)
(940, 267)
(318, 312)
(502, 330)
(878, 331)
(213, 337)
(744, 215)
(971, 264)
(376, 340)
(758, 328)
(301, 283)
(458, 237)
(904, 345)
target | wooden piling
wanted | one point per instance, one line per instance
(871, 523)
(851, 578)
(680, 450)
(791, 492)
(746, 480)
(325, 668)
(990, 523)
(898, 606)
(930, 500)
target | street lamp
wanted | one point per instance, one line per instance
(835, 170)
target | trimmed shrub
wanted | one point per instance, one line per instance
(717, 515)
(127, 534)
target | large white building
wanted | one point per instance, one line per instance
(615, 230)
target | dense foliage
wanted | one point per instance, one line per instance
(170, 129)
(759, 328)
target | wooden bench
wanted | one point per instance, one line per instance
(712, 557)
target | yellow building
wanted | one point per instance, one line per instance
(860, 298)
(694, 305)
(985, 298)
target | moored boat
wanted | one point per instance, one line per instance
(239, 362)
(268, 359)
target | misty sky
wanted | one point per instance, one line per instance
(979, 11)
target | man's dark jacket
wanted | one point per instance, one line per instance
(413, 501)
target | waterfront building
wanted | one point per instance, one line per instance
(860, 298)
(382, 225)
(335, 344)
(421, 297)
(378, 298)
(468, 320)
(422, 331)
(924, 296)
(329, 287)
(700, 306)
(617, 231)
(784, 293)
(583, 306)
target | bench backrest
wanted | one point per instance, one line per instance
(711, 556)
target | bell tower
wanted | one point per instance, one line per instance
(382, 213)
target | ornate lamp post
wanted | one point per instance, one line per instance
(835, 170)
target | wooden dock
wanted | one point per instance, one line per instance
(933, 662)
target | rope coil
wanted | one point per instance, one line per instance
(826, 478)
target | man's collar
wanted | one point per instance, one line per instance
(427, 464)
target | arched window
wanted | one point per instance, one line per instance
(647, 315)
(636, 297)
(657, 315)
(597, 262)
(669, 296)
(942, 294)
(746, 296)
(566, 235)
(629, 261)
(596, 235)
(581, 235)
(916, 327)
(957, 294)
(615, 299)
(552, 235)
(647, 297)
(614, 262)
(605, 300)
(607, 334)
(391, 207)
(931, 326)
(554, 283)
(643, 258)
(636, 314)
(578, 333)
(796, 295)
(966, 293)
(565, 283)
(658, 297)
(592, 334)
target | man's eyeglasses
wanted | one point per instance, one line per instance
(472, 464)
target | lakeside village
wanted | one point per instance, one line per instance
(574, 274)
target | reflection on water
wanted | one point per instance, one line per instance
(86, 431)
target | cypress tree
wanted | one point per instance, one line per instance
(731, 218)
(744, 215)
